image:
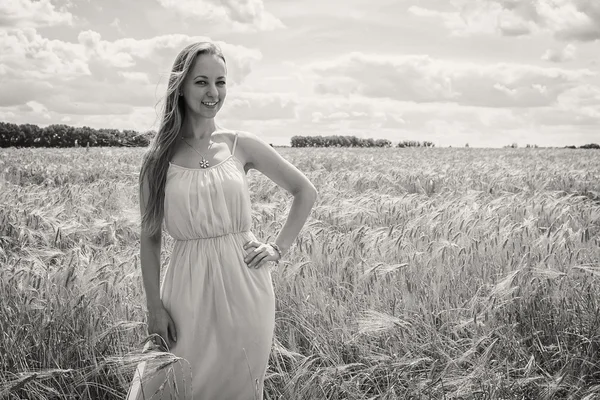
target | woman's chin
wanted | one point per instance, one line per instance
(206, 113)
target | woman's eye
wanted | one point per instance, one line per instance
(221, 82)
(201, 82)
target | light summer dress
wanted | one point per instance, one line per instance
(224, 311)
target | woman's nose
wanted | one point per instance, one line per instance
(212, 91)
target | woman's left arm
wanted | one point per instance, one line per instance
(261, 156)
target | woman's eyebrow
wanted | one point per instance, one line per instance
(206, 77)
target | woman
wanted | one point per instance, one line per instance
(215, 308)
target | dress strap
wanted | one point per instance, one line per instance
(234, 143)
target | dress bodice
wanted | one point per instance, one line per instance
(207, 202)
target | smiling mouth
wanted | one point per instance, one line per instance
(210, 104)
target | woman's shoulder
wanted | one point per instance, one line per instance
(229, 136)
(243, 146)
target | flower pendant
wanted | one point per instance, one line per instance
(204, 163)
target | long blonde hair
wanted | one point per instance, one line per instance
(155, 161)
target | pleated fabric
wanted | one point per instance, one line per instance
(224, 312)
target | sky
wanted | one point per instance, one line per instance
(489, 73)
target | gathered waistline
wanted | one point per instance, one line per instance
(212, 237)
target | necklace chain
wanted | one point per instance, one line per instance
(204, 162)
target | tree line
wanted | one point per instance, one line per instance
(59, 135)
(535, 146)
(350, 141)
(585, 146)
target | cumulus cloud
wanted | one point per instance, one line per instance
(393, 122)
(161, 51)
(32, 14)
(565, 54)
(329, 109)
(577, 106)
(478, 17)
(239, 15)
(95, 76)
(571, 19)
(141, 77)
(260, 106)
(421, 78)
(577, 20)
(38, 108)
(116, 23)
(26, 54)
(341, 116)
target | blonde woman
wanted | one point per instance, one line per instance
(215, 307)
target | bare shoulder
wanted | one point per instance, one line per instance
(252, 149)
(254, 152)
(225, 136)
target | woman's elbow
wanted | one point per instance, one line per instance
(306, 191)
(311, 193)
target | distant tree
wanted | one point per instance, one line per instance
(410, 143)
(383, 143)
(590, 146)
(467, 145)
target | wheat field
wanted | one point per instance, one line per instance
(422, 273)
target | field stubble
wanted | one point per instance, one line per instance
(421, 273)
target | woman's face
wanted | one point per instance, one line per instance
(204, 89)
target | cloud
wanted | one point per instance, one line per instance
(141, 77)
(160, 51)
(26, 54)
(332, 109)
(577, 106)
(116, 23)
(138, 119)
(239, 15)
(557, 56)
(577, 20)
(317, 116)
(94, 76)
(32, 14)
(421, 78)
(38, 108)
(571, 19)
(478, 17)
(259, 106)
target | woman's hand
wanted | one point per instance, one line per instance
(260, 253)
(161, 323)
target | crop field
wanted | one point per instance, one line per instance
(422, 273)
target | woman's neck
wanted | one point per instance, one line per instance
(197, 128)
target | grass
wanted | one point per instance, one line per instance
(421, 274)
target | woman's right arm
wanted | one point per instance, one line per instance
(159, 320)
(150, 260)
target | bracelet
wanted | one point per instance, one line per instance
(277, 249)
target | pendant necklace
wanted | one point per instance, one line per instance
(204, 162)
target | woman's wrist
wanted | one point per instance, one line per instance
(154, 304)
(276, 247)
